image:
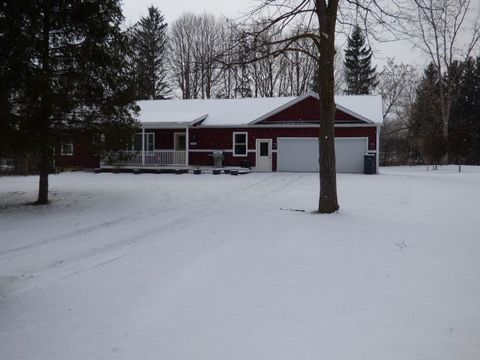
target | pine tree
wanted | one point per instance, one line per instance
(243, 86)
(72, 75)
(149, 43)
(464, 124)
(426, 127)
(360, 76)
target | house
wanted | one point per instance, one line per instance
(266, 134)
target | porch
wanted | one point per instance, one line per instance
(134, 158)
(152, 147)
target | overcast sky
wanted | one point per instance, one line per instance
(171, 9)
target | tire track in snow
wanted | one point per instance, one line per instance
(155, 229)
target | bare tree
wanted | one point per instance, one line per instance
(339, 73)
(397, 85)
(181, 54)
(268, 66)
(316, 21)
(195, 46)
(235, 72)
(207, 51)
(298, 70)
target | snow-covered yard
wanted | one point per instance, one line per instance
(207, 267)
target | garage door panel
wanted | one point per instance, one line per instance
(349, 154)
(297, 154)
(301, 154)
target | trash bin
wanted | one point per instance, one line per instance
(369, 164)
(218, 159)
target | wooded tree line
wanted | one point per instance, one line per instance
(415, 134)
(204, 56)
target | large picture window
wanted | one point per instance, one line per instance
(240, 143)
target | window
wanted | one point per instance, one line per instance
(149, 142)
(66, 149)
(264, 148)
(240, 143)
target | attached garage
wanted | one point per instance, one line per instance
(301, 154)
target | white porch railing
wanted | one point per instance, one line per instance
(150, 158)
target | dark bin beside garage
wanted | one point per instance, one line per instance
(369, 164)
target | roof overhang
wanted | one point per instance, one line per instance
(173, 124)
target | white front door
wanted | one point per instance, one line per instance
(264, 155)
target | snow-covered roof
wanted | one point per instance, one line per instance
(239, 112)
(218, 111)
(368, 106)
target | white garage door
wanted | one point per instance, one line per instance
(301, 154)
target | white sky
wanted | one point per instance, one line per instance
(171, 9)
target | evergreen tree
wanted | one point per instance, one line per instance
(426, 127)
(243, 87)
(464, 124)
(13, 72)
(71, 72)
(360, 76)
(149, 43)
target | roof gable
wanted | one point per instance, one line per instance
(305, 109)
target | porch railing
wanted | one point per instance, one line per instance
(150, 158)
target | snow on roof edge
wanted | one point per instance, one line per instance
(246, 111)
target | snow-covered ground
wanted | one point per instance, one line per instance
(179, 267)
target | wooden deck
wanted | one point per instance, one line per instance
(171, 170)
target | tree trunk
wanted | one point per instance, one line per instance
(43, 169)
(328, 201)
(45, 110)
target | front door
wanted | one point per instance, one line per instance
(264, 155)
(180, 142)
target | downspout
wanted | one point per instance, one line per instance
(143, 145)
(378, 148)
(187, 145)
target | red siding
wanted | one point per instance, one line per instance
(208, 139)
(370, 132)
(164, 138)
(83, 156)
(306, 110)
(205, 159)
